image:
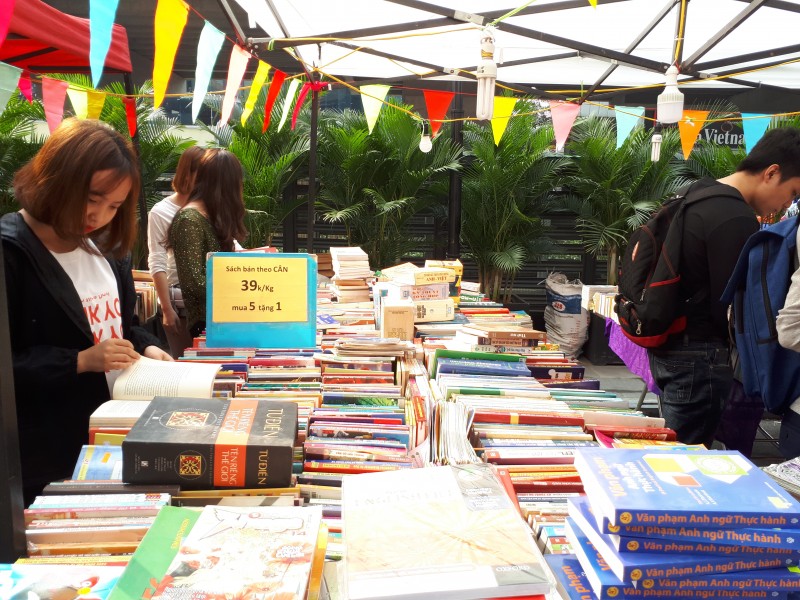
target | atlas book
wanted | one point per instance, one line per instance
(448, 532)
(203, 443)
(705, 489)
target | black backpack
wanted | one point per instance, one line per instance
(649, 301)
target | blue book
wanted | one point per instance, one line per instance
(703, 488)
(642, 568)
(483, 367)
(27, 581)
(99, 462)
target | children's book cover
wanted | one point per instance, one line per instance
(57, 582)
(99, 462)
(245, 552)
(703, 488)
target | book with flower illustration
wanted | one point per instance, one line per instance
(245, 552)
(700, 488)
(448, 533)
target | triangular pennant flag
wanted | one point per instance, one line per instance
(255, 89)
(130, 114)
(299, 104)
(503, 109)
(171, 17)
(593, 3)
(437, 104)
(372, 97)
(689, 127)
(54, 93)
(6, 10)
(236, 68)
(208, 47)
(754, 126)
(101, 24)
(25, 87)
(628, 117)
(274, 90)
(9, 76)
(563, 115)
(287, 101)
(80, 102)
(96, 101)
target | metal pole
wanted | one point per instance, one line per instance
(312, 166)
(454, 203)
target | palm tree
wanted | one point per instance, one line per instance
(615, 190)
(374, 183)
(271, 161)
(505, 189)
(18, 144)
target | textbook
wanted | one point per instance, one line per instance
(632, 566)
(705, 489)
(449, 533)
(206, 442)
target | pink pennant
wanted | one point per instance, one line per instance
(308, 85)
(236, 68)
(6, 10)
(563, 115)
(25, 87)
(54, 94)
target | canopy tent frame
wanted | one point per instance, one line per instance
(41, 39)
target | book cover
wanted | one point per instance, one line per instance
(449, 533)
(433, 310)
(155, 552)
(41, 581)
(245, 552)
(701, 488)
(202, 443)
(98, 462)
(633, 566)
(482, 367)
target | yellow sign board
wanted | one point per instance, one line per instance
(257, 289)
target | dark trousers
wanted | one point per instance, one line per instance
(695, 379)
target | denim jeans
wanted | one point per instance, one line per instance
(695, 379)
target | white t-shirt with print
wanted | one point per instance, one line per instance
(97, 288)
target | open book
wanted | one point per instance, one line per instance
(147, 378)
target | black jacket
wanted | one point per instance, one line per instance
(48, 328)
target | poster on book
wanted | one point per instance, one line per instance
(261, 300)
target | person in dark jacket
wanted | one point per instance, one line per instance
(71, 299)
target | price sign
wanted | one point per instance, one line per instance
(250, 289)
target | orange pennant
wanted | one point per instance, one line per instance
(689, 126)
(437, 104)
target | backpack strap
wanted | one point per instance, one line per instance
(718, 190)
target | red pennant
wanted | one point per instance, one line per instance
(274, 88)
(437, 104)
(130, 112)
(308, 85)
(54, 93)
(25, 87)
(6, 10)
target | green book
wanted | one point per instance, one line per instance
(149, 563)
(444, 353)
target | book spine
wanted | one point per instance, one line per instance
(628, 545)
(513, 418)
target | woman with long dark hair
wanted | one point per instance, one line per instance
(211, 221)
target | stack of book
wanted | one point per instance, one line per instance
(427, 288)
(694, 523)
(787, 475)
(324, 263)
(146, 297)
(78, 524)
(511, 339)
(351, 273)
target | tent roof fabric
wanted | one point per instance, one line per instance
(45, 40)
(549, 43)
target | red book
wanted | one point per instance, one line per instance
(515, 418)
(341, 466)
(641, 433)
(485, 311)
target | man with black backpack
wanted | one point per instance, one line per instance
(692, 367)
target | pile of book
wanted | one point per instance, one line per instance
(324, 264)
(681, 523)
(426, 291)
(351, 273)
(787, 475)
(146, 296)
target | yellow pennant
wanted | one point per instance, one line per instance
(689, 126)
(372, 97)
(593, 3)
(171, 17)
(255, 88)
(95, 105)
(503, 109)
(79, 101)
